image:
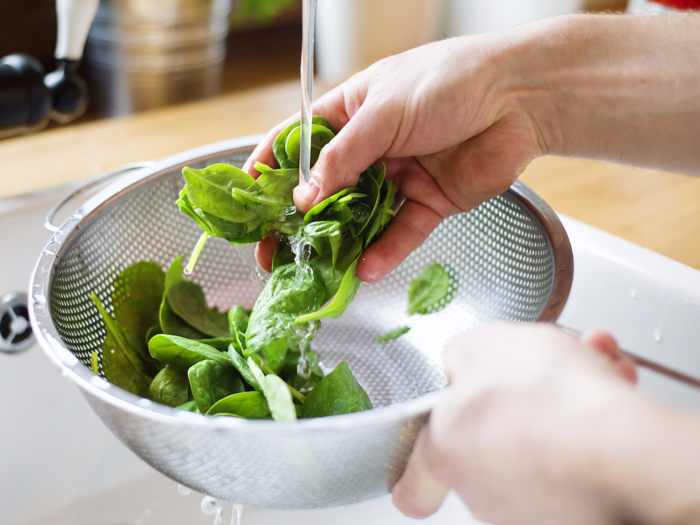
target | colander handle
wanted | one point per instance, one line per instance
(649, 365)
(48, 222)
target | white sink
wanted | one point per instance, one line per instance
(59, 464)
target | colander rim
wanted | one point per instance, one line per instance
(91, 384)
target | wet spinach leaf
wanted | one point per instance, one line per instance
(276, 392)
(182, 353)
(346, 293)
(292, 290)
(393, 334)
(170, 387)
(242, 366)
(248, 405)
(337, 393)
(238, 319)
(211, 381)
(429, 291)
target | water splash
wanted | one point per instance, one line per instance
(656, 334)
(633, 294)
(209, 506)
(185, 491)
(236, 514)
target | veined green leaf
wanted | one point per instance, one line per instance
(429, 290)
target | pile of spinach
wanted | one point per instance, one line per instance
(163, 342)
(313, 274)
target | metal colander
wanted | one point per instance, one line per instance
(509, 259)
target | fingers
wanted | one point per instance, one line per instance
(265, 251)
(418, 494)
(409, 228)
(605, 343)
(365, 138)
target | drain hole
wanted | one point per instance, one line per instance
(5, 324)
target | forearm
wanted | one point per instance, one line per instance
(610, 87)
(648, 461)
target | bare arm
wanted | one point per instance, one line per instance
(457, 121)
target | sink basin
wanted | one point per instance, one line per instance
(60, 465)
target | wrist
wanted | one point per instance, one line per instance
(644, 462)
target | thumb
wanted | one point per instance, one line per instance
(363, 140)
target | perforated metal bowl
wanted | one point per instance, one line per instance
(510, 259)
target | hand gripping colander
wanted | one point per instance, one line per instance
(510, 259)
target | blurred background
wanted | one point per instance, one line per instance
(143, 54)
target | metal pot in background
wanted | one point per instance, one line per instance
(144, 54)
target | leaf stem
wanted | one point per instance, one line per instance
(195, 253)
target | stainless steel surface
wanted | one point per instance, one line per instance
(650, 365)
(504, 267)
(15, 332)
(105, 177)
(150, 53)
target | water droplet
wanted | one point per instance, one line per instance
(657, 335)
(219, 517)
(185, 491)
(209, 506)
(633, 293)
(237, 514)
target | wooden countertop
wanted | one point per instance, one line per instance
(656, 210)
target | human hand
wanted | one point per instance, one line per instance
(445, 120)
(528, 430)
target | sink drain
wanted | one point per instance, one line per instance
(15, 332)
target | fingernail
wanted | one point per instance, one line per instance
(306, 194)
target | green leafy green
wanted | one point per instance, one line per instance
(243, 368)
(249, 405)
(182, 353)
(170, 387)
(337, 393)
(138, 292)
(346, 293)
(122, 363)
(211, 381)
(429, 291)
(292, 290)
(394, 334)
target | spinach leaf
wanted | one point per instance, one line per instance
(337, 393)
(138, 292)
(279, 147)
(238, 319)
(320, 136)
(182, 353)
(210, 381)
(302, 372)
(187, 300)
(170, 387)
(211, 190)
(190, 406)
(184, 311)
(172, 324)
(394, 334)
(220, 343)
(122, 364)
(234, 232)
(249, 405)
(346, 293)
(153, 330)
(292, 290)
(429, 291)
(276, 392)
(279, 399)
(243, 368)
